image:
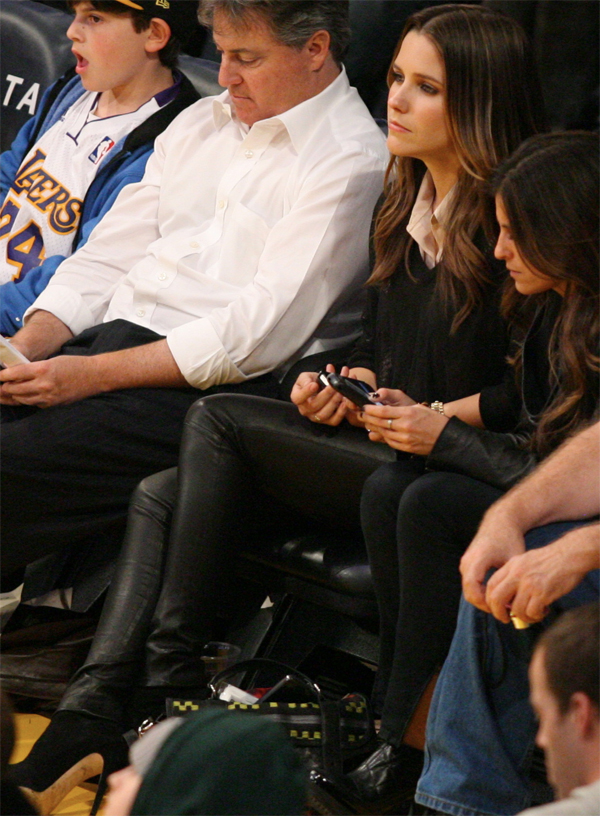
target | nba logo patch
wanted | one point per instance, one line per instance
(101, 150)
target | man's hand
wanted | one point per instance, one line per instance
(528, 583)
(497, 541)
(50, 382)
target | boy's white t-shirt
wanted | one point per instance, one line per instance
(43, 206)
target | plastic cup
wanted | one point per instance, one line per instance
(217, 656)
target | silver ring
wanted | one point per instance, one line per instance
(317, 418)
(390, 424)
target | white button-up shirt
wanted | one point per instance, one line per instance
(244, 246)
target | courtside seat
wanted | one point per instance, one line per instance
(323, 600)
(329, 569)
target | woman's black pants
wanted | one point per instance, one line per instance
(246, 465)
(416, 530)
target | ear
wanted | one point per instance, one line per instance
(584, 714)
(158, 35)
(318, 48)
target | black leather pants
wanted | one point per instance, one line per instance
(243, 461)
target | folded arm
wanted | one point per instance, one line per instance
(65, 379)
(563, 488)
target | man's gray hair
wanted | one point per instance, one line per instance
(292, 22)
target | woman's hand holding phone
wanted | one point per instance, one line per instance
(411, 428)
(323, 405)
(319, 402)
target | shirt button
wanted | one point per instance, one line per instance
(140, 312)
(248, 154)
(194, 244)
(162, 276)
(221, 204)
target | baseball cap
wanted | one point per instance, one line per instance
(181, 15)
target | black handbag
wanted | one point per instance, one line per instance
(326, 732)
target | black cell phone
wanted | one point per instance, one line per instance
(355, 390)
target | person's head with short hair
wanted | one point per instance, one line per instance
(126, 49)
(214, 761)
(563, 677)
(276, 54)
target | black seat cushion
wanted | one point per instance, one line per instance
(337, 561)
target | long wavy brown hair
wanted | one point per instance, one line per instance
(493, 103)
(550, 191)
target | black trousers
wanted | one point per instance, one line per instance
(68, 471)
(246, 466)
(416, 527)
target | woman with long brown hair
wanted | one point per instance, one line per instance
(463, 95)
(547, 210)
(547, 198)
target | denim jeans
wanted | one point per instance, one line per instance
(481, 728)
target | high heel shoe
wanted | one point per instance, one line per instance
(75, 747)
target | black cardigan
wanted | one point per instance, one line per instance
(407, 340)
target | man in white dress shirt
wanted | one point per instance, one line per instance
(241, 250)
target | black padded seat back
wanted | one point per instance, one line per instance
(34, 52)
(202, 73)
(339, 562)
(376, 26)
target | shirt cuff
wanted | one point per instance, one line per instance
(65, 304)
(200, 355)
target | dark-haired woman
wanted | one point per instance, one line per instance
(432, 329)
(547, 209)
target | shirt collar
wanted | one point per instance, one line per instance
(298, 121)
(427, 227)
